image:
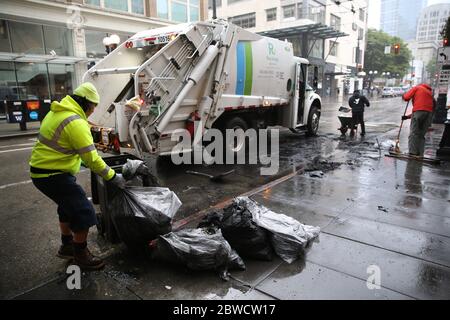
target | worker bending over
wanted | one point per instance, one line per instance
(358, 103)
(64, 141)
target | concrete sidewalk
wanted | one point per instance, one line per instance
(12, 130)
(373, 212)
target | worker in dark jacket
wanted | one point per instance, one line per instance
(358, 102)
(422, 115)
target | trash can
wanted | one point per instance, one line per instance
(102, 194)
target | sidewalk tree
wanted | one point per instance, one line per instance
(376, 59)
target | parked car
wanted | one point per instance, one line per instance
(388, 92)
(398, 91)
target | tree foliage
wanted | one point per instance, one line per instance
(445, 32)
(376, 59)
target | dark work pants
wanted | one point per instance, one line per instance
(420, 122)
(358, 118)
(74, 207)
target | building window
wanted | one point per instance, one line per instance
(335, 22)
(245, 21)
(163, 9)
(360, 34)
(333, 48)
(361, 14)
(179, 10)
(5, 44)
(93, 2)
(289, 11)
(137, 6)
(131, 6)
(316, 48)
(58, 40)
(26, 37)
(94, 44)
(233, 1)
(32, 80)
(8, 84)
(61, 78)
(121, 5)
(271, 14)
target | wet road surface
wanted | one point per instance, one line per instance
(372, 210)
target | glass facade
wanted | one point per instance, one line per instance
(178, 10)
(5, 43)
(121, 5)
(58, 40)
(32, 80)
(26, 37)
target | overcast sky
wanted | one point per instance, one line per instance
(374, 11)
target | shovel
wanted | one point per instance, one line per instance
(214, 178)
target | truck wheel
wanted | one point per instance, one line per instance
(313, 121)
(239, 143)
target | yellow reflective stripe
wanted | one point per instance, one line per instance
(85, 149)
(62, 125)
(54, 145)
(53, 142)
(105, 171)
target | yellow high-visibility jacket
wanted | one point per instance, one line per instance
(65, 140)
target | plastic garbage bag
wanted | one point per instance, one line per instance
(141, 214)
(198, 249)
(289, 237)
(139, 173)
(241, 232)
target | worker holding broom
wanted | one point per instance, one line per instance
(64, 141)
(421, 117)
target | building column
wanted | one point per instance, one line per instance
(79, 49)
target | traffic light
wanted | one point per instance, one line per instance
(445, 42)
(396, 48)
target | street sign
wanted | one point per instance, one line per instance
(443, 56)
(444, 75)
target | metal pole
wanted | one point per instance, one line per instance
(214, 8)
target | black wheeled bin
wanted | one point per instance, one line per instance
(102, 194)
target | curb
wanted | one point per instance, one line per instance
(18, 135)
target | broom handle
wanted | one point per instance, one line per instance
(401, 124)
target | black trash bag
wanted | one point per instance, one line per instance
(243, 234)
(289, 237)
(141, 214)
(138, 174)
(198, 249)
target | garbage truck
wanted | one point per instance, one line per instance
(213, 73)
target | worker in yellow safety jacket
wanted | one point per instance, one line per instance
(64, 141)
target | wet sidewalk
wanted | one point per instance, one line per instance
(12, 130)
(374, 212)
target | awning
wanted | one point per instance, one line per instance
(317, 30)
(40, 58)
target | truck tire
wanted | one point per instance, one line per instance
(236, 123)
(313, 122)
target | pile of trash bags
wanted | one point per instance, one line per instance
(256, 232)
(143, 215)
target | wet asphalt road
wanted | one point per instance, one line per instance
(372, 211)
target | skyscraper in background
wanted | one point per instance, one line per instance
(399, 17)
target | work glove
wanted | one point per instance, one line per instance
(405, 118)
(118, 181)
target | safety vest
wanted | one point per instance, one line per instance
(64, 141)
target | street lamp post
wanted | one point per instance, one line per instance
(372, 75)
